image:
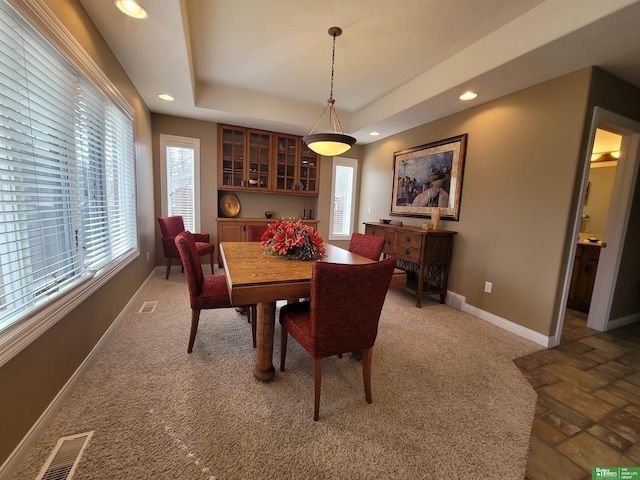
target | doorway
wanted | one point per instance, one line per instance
(612, 238)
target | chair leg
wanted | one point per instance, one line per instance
(211, 261)
(283, 347)
(168, 268)
(195, 319)
(317, 380)
(366, 372)
(253, 318)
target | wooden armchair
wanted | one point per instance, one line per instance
(170, 228)
(341, 316)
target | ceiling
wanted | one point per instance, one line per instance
(398, 63)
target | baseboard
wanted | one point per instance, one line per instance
(620, 322)
(460, 302)
(19, 453)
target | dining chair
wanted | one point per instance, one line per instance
(341, 316)
(366, 245)
(254, 232)
(205, 292)
(170, 228)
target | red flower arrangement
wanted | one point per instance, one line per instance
(293, 239)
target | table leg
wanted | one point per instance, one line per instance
(264, 341)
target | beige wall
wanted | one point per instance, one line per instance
(32, 379)
(519, 174)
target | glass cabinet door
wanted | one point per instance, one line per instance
(308, 169)
(259, 160)
(231, 172)
(286, 152)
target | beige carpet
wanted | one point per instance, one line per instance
(448, 402)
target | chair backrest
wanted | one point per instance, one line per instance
(170, 227)
(366, 245)
(346, 302)
(254, 232)
(190, 257)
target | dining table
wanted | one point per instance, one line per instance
(258, 278)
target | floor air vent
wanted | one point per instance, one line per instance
(149, 306)
(65, 457)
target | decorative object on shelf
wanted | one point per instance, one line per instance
(268, 214)
(229, 205)
(294, 240)
(335, 142)
(385, 221)
(428, 177)
(435, 217)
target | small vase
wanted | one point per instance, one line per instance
(435, 218)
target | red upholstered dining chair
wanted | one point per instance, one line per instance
(341, 316)
(254, 232)
(366, 245)
(170, 228)
(205, 292)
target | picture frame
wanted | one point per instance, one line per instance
(429, 176)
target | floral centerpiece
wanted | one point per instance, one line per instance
(293, 239)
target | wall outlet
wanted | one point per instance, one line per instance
(147, 256)
(488, 286)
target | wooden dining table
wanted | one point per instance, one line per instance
(254, 277)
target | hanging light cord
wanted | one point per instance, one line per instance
(334, 121)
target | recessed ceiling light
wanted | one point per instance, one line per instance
(166, 96)
(468, 95)
(131, 8)
(374, 134)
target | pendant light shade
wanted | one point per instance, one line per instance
(335, 142)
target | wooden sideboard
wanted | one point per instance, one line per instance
(423, 254)
(235, 229)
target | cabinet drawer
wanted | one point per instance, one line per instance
(375, 231)
(411, 254)
(408, 239)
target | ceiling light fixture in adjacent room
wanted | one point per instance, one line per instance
(335, 142)
(131, 8)
(468, 95)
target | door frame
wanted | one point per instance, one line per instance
(618, 219)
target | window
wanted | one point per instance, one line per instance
(180, 157)
(67, 181)
(343, 190)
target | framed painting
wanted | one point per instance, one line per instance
(429, 176)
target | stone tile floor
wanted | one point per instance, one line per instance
(588, 410)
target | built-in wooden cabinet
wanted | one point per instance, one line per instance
(583, 278)
(235, 229)
(423, 254)
(244, 158)
(262, 161)
(297, 167)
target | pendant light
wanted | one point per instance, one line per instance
(335, 142)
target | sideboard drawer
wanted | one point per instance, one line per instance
(408, 239)
(412, 254)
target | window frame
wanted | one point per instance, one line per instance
(344, 162)
(23, 332)
(183, 142)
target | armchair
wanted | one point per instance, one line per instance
(170, 228)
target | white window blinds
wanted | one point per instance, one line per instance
(342, 198)
(67, 173)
